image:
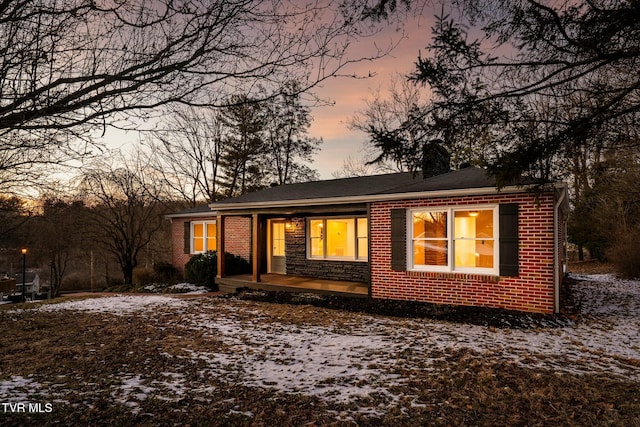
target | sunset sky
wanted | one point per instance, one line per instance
(331, 123)
(347, 94)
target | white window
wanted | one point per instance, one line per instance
(203, 236)
(454, 239)
(338, 238)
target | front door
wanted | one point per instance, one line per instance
(277, 258)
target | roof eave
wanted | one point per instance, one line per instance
(191, 215)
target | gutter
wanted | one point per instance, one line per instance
(556, 255)
(191, 215)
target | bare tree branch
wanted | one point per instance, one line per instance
(125, 206)
(71, 68)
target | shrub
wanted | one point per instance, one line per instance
(202, 268)
(143, 276)
(162, 273)
(236, 264)
(166, 273)
(75, 282)
(625, 255)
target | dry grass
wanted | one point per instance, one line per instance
(591, 267)
(81, 361)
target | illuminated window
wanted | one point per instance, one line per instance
(203, 236)
(316, 238)
(363, 238)
(338, 238)
(454, 240)
(277, 239)
(430, 242)
(473, 239)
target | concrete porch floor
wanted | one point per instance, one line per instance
(281, 282)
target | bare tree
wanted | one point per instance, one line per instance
(401, 137)
(60, 236)
(206, 153)
(69, 69)
(385, 120)
(385, 113)
(288, 146)
(13, 215)
(351, 168)
(187, 153)
(388, 110)
(125, 208)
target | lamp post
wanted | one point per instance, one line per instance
(24, 272)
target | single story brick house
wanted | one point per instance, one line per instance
(452, 239)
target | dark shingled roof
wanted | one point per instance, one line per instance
(195, 211)
(455, 180)
(363, 186)
(396, 183)
(344, 187)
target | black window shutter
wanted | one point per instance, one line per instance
(508, 236)
(398, 239)
(187, 237)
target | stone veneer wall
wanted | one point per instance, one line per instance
(532, 290)
(299, 265)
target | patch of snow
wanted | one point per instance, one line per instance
(173, 388)
(18, 389)
(189, 288)
(247, 414)
(183, 288)
(131, 391)
(118, 305)
(311, 360)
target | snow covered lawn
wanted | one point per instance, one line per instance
(160, 359)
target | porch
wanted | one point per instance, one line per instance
(280, 282)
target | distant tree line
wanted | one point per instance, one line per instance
(111, 225)
(204, 155)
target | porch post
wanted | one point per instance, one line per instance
(255, 247)
(220, 246)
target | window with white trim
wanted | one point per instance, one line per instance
(454, 239)
(338, 238)
(203, 236)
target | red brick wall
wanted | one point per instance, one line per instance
(237, 238)
(178, 257)
(531, 291)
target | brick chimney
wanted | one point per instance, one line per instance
(436, 160)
